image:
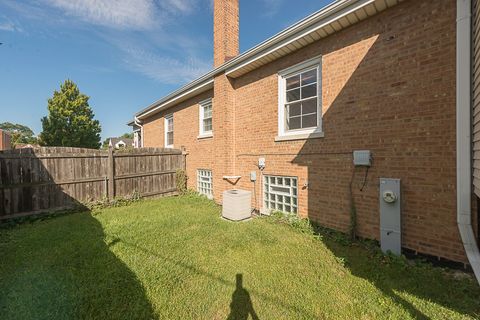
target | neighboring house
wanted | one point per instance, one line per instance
(378, 75)
(26, 146)
(5, 140)
(120, 143)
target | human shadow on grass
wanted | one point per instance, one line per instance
(281, 303)
(241, 306)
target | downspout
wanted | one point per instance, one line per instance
(138, 122)
(464, 104)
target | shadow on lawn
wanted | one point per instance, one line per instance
(241, 294)
(63, 269)
(394, 275)
(241, 306)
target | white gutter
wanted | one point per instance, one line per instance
(139, 123)
(464, 104)
(166, 102)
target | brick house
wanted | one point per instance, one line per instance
(378, 75)
(5, 140)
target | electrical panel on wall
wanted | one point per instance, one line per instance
(362, 158)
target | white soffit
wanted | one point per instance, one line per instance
(293, 39)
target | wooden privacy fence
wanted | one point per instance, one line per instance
(34, 180)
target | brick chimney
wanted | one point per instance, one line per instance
(225, 31)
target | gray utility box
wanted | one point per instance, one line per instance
(390, 216)
(362, 158)
(237, 205)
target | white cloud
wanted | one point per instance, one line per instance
(135, 14)
(124, 14)
(147, 35)
(184, 6)
(272, 7)
(8, 25)
(164, 69)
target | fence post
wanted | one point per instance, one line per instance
(111, 174)
(184, 158)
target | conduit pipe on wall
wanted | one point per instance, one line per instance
(464, 104)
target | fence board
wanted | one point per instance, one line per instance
(33, 180)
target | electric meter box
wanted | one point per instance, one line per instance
(390, 216)
(362, 158)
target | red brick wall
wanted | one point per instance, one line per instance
(225, 30)
(186, 132)
(388, 85)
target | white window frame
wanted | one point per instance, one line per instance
(201, 117)
(167, 118)
(292, 193)
(315, 132)
(207, 174)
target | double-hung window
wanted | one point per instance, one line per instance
(300, 112)
(206, 118)
(169, 131)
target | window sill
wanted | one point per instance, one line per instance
(300, 136)
(205, 136)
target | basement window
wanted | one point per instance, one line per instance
(204, 182)
(299, 106)
(205, 113)
(169, 131)
(280, 194)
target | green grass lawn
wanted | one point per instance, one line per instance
(175, 258)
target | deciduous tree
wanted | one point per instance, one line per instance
(19, 133)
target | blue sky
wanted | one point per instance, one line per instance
(124, 54)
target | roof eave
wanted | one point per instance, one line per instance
(264, 52)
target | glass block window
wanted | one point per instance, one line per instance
(204, 182)
(280, 194)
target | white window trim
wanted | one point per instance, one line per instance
(168, 117)
(201, 105)
(317, 132)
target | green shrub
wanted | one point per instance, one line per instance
(181, 181)
(294, 221)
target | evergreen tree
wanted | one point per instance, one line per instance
(70, 121)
